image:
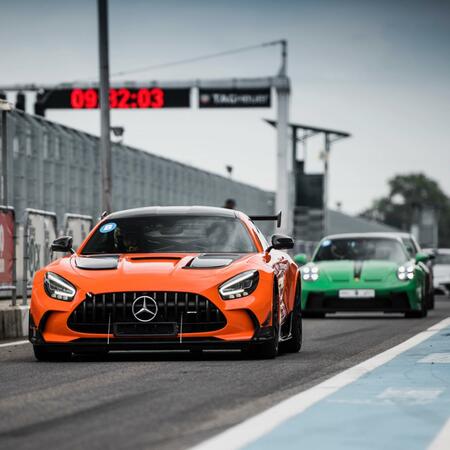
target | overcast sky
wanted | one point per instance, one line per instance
(377, 69)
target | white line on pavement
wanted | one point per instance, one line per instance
(9, 344)
(442, 440)
(410, 396)
(251, 429)
(436, 358)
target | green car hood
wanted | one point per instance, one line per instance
(345, 270)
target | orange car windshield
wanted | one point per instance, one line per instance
(170, 234)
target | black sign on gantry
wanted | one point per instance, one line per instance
(234, 98)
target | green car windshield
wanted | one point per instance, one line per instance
(360, 249)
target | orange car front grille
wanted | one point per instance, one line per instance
(98, 313)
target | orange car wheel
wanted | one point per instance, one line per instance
(269, 349)
(294, 344)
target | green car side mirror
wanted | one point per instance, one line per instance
(301, 259)
(422, 257)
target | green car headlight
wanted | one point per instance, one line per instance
(405, 273)
(310, 273)
(58, 287)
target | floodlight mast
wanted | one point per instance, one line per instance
(330, 136)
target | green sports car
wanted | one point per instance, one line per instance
(363, 272)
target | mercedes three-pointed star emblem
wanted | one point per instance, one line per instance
(144, 308)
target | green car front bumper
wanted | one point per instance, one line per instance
(323, 297)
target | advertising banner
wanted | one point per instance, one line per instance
(234, 98)
(6, 246)
(39, 232)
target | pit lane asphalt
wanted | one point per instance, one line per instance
(172, 400)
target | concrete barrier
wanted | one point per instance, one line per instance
(13, 321)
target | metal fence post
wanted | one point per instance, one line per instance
(25, 260)
(14, 259)
(4, 158)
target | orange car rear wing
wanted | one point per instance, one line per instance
(276, 218)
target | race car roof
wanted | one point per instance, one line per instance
(173, 210)
(386, 235)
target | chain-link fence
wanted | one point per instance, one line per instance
(56, 168)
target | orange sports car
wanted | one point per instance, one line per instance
(168, 278)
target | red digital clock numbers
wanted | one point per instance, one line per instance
(84, 98)
(121, 98)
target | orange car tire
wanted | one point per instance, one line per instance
(294, 344)
(270, 348)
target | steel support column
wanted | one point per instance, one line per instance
(105, 139)
(326, 157)
(284, 162)
(4, 159)
(284, 200)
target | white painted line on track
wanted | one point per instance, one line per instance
(442, 440)
(10, 344)
(251, 429)
(436, 358)
(410, 396)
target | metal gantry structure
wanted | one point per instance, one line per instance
(330, 136)
(279, 83)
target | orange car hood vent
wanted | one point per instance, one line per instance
(97, 262)
(154, 258)
(212, 260)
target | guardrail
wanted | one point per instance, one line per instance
(25, 245)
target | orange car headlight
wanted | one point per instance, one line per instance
(58, 287)
(239, 286)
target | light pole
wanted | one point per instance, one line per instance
(105, 139)
(5, 107)
(284, 200)
(326, 182)
(330, 136)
